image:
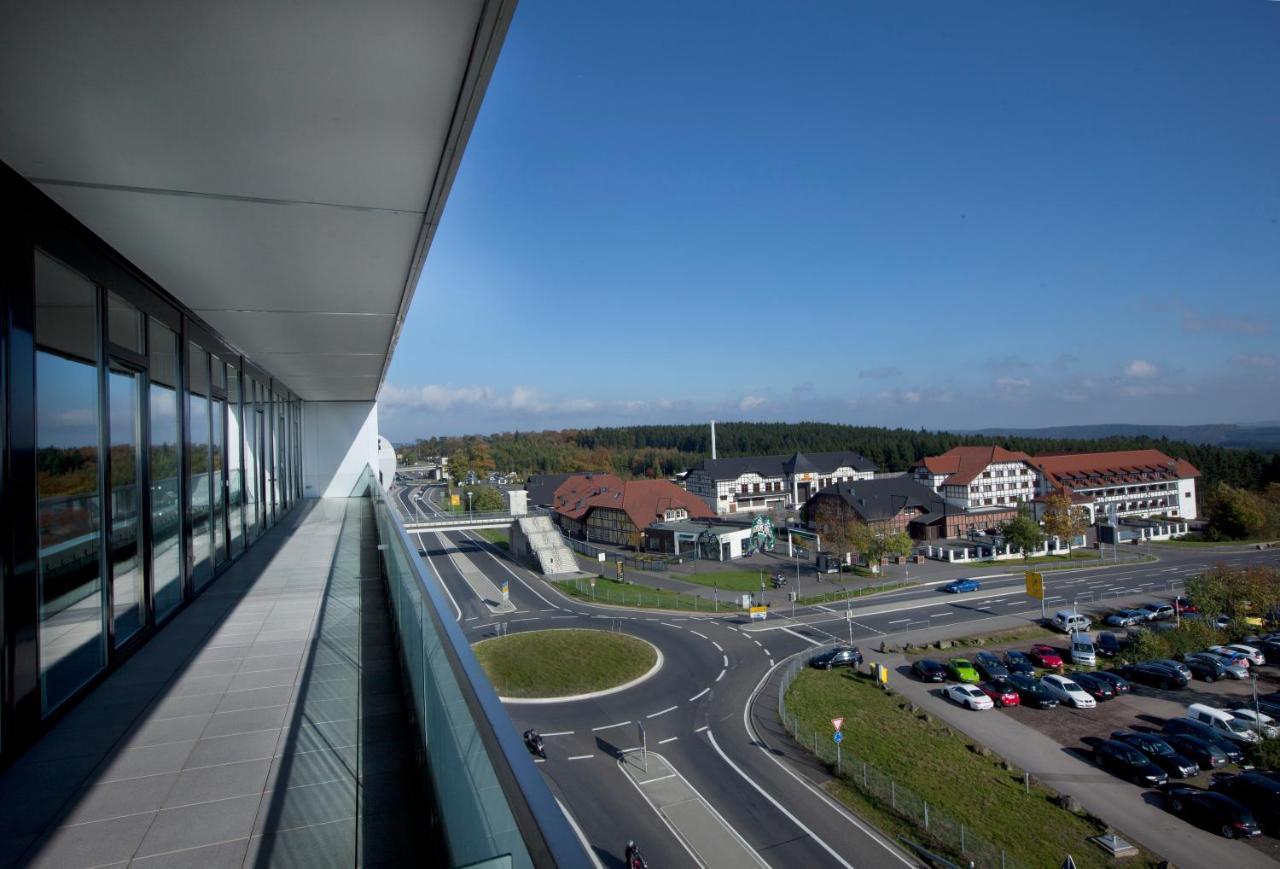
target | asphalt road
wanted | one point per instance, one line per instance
(708, 709)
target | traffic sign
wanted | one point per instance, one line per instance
(837, 723)
(1035, 585)
(838, 737)
(619, 563)
(505, 588)
(759, 613)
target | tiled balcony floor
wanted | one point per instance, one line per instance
(264, 726)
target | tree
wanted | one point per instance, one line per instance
(459, 467)
(836, 523)
(486, 499)
(899, 543)
(1023, 532)
(865, 542)
(1235, 514)
(1064, 520)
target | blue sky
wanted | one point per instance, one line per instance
(939, 214)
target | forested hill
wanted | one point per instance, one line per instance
(1264, 438)
(663, 450)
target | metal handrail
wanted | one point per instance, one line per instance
(546, 832)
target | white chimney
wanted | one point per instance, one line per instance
(713, 440)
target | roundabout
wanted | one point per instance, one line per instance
(566, 665)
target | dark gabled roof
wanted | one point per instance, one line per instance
(783, 465)
(542, 487)
(877, 500)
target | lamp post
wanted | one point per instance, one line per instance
(468, 503)
(848, 612)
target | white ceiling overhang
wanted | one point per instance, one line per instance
(278, 167)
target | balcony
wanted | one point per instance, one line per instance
(311, 708)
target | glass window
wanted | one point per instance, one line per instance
(199, 546)
(218, 516)
(166, 512)
(72, 643)
(235, 464)
(124, 324)
(252, 466)
(127, 589)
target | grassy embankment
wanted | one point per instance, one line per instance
(611, 591)
(562, 663)
(496, 536)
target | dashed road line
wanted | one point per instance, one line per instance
(699, 694)
(582, 757)
(610, 726)
(669, 625)
(801, 636)
(721, 676)
(663, 712)
(719, 648)
(696, 634)
(726, 662)
(767, 652)
(701, 729)
(668, 739)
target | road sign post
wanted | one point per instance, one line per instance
(838, 737)
(619, 563)
(1035, 588)
(506, 591)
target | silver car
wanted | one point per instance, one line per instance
(1234, 669)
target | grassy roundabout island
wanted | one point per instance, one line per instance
(563, 663)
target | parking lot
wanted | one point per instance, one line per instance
(1146, 708)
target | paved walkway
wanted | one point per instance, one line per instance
(264, 726)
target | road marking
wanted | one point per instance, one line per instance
(471, 618)
(663, 712)
(726, 662)
(700, 729)
(699, 694)
(731, 627)
(812, 835)
(539, 760)
(801, 636)
(766, 651)
(609, 726)
(771, 663)
(586, 846)
(668, 624)
(899, 621)
(560, 733)
(940, 615)
(826, 609)
(661, 777)
(721, 676)
(719, 648)
(531, 619)
(582, 757)
(668, 739)
(440, 579)
(696, 634)
(757, 642)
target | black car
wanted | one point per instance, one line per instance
(1153, 674)
(1208, 734)
(990, 666)
(840, 656)
(1108, 644)
(1016, 662)
(1205, 754)
(929, 670)
(1259, 792)
(1128, 763)
(1098, 689)
(1159, 752)
(1208, 668)
(1213, 811)
(1118, 683)
(1031, 692)
(1270, 649)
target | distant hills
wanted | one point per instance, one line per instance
(1263, 438)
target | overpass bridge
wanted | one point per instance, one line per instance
(459, 521)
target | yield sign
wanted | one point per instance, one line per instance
(837, 723)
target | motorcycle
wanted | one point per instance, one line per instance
(634, 860)
(533, 741)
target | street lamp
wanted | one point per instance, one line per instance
(468, 503)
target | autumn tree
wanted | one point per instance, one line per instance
(1024, 533)
(836, 524)
(1064, 520)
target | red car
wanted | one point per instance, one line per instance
(1000, 693)
(1045, 656)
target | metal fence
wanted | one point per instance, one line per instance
(634, 595)
(934, 825)
(612, 556)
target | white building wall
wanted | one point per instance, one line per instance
(1187, 498)
(339, 439)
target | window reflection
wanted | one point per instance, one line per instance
(127, 589)
(200, 548)
(166, 512)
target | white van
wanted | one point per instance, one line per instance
(1223, 722)
(1069, 622)
(1082, 650)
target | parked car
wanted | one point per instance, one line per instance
(1000, 692)
(968, 696)
(1098, 689)
(1128, 763)
(840, 656)
(1259, 721)
(956, 586)
(1257, 791)
(1068, 621)
(962, 671)
(1031, 692)
(1223, 722)
(929, 670)
(1082, 650)
(1127, 618)
(1232, 668)
(1159, 752)
(1255, 656)
(1206, 754)
(1045, 656)
(1157, 611)
(1184, 605)
(1181, 668)
(1270, 649)
(1188, 727)
(1269, 707)
(989, 665)
(1018, 663)
(1207, 668)
(1213, 811)
(1109, 644)
(1068, 692)
(1231, 655)
(1118, 683)
(1153, 674)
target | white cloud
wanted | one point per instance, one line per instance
(750, 402)
(1256, 360)
(1013, 382)
(1141, 368)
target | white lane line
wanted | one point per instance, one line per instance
(650, 781)
(669, 625)
(539, 760)
(696, 634)
(471, 618)
(562, 617)
(940, 615)
(582, 757)
(771, 663)
(726, 662)
(699, 694)
(767, 652)
(609, 726)
(440, 541)
(668, 739)
(731, 627)
(531, 619)
(719, 648)
(582, 837)
(899, 621)
(721, 676)
(663, 712)
(812, 835)
(560, 733)
(801, 636)
(757, 642)
(702, 728)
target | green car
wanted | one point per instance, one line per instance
(962, 670)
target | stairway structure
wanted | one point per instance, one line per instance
(537, 540)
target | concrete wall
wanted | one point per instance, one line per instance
(339, 439)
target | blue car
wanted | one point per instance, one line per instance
(958, 585)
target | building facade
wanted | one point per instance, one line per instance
(753, 483)
(601, 508)
(1138, 484)
(976, 477)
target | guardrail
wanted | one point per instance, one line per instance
(492, 804)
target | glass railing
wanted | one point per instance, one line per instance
(493, 806)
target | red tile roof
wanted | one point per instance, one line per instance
(1091, 470)
(964, 464)
(644, 501)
